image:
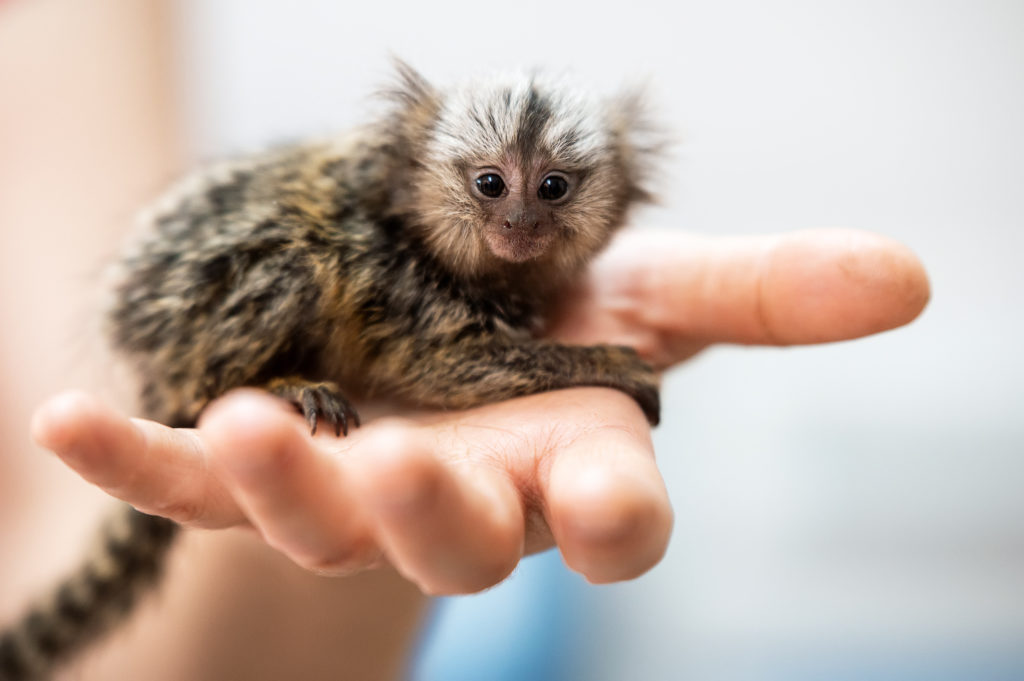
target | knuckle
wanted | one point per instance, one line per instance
(482, 576)
(270, 457)
(491, 572)
(401, 474)
(180, 511)
(342, 560)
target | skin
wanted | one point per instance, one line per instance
(451, 501)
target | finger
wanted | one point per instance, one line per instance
(673, 293)
(291, 491)
(156, 469)
(805, 287)
(605, 501)
(448, 527)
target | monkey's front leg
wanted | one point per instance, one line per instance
(469, 374)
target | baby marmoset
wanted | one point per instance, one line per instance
(413, 259)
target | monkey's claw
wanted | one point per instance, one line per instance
(318, 401)
(322, 402)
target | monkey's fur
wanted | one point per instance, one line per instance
(377, 263)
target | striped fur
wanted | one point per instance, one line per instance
(364, 264)
(128, 557)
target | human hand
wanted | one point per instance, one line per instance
(453, 500)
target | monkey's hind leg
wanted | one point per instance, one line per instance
(316, 400)
(128, 559)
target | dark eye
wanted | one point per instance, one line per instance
(490, 185)
(553, 187)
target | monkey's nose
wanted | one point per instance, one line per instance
(509, 225)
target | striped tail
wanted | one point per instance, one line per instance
(128, 559)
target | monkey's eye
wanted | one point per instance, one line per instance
(553, 187)
(490, 185)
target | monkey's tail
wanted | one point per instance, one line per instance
(128, 558)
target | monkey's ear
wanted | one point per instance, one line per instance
(415, 105)
(639, 143)
(410, 89)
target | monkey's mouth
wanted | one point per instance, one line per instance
(518, 244)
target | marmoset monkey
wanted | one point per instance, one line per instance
(412, 259)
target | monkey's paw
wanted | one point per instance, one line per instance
(317, 400)
(648, 398)
(638, 380)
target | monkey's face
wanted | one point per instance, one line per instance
(489, 213)
(515, 174)
(519, 208)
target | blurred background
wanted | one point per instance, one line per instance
(850, 511)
